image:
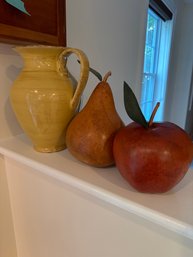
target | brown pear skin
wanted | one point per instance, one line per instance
(90, 134)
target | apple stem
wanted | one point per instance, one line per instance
(106, 76)
(153, 114)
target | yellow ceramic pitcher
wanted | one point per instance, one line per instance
(43, 97)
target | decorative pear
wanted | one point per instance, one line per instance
(90, 134)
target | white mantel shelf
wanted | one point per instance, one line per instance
(172, 210)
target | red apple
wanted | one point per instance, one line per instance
(152, 158)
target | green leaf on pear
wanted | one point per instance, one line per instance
(96, 73)
(132, 107)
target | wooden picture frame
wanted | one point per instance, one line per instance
(46, 23)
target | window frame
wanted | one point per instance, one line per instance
(160, 72)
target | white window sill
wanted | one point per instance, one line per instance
(172, 210)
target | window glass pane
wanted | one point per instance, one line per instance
(156, 57)
(148, 110)
(149, 59)
(148, 88)
(151, 30)
(147, 95)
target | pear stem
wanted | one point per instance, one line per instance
(107, 76)
(153, 114)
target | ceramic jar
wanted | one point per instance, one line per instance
(43, 96)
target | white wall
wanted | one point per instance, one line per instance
(112, 34)
(10, 64)
(181, 66)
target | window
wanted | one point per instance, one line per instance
(156, 60)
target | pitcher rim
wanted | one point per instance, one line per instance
(38, 46)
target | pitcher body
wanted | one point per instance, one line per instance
(43, 97)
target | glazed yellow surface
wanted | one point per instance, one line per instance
(43, 96)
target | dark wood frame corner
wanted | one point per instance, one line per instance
(19, 28)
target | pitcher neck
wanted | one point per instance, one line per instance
(40, 58)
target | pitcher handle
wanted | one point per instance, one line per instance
(84, 72)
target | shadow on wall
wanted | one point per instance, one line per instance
(11, 119)
(12, 73)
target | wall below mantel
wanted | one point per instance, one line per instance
(7, 234)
